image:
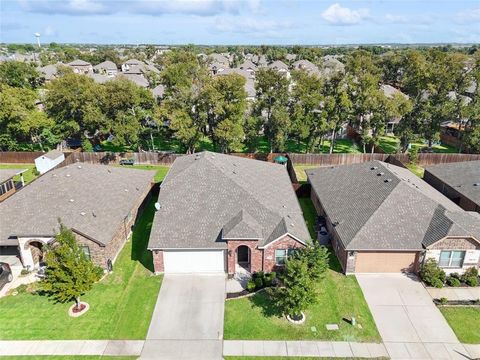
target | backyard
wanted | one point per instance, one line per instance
(465, 322)
(339, 298)
(120, 305)
(28, 175)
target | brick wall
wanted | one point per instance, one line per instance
(158, 263)
(286, 242)
(455, 244)
(256, 257)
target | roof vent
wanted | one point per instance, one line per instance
(68, 175)
(126, 190)
(71, 200)
(157, 206)
(93, 214)
(387, 180)
(109, 170)
(374, 168)
(284, 206)
(380, 174)
(54, 175)
(476, 184)
(79, 166)
(82, 213)
(292, 224)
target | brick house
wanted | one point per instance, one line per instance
(222, 213)
(98, 203)
(382, 218)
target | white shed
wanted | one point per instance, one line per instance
(48, 161)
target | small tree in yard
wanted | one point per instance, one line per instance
(431, 274)
(298, 282)
(69, 272)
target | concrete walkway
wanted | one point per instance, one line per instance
(187, 322)
(458, 293)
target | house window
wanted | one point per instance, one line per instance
(451, 259)
(86, 251)
(281, 255)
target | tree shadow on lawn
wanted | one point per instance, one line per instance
(264, 301)
(141, 235)
(333, 263)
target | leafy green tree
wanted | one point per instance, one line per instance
(309, 118)
(19, 74)
(316, 257)
(21, 120)
(69, 273)
(297, 290)
(271, 104)
(472, 127)
(75, 102)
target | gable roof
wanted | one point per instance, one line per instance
(79, 62)
(91, 199)
(6, 174)
(461, 176)
(206, 196)
(106, 65)
(278, 65)
(379, 206)
(247, 64)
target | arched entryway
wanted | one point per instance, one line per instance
(37, 251)
(243, 257)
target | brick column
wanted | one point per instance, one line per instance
(158, 261)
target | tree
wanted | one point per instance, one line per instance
(271, 104)
(184, 77)
(309, 119)
(19, 74)
(69, 273)
(316, 257)
(364, 79)
(297, 290)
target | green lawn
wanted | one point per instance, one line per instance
(300, 171)
(162, 170)
(441, 148)
(340, 298)
(416, 169)
(389, 144)
(465, 322)
(121, 304)
(28, 175)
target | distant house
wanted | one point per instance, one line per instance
(249, 66)
(158, 91)
(98, 203)
(80, 66)
(331, 65)
(220, 213)
(383, 218)
(49, 72)
(108, 68)
(131, 63)
(220, 59)
(459, 181)
(48, 161)
(136, 78)
(389, 91)
(249, 80)
(307, 66)
(7, 184)
(134, 66)
(279, 65)
(100, 78)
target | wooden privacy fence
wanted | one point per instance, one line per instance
(144, 158)
(19, 157)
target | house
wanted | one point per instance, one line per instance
(390, 92)
(80, 66)
(108, 68)
(220, 59)
(307, 66)
(459, 181)
(331, 65)
(158, 92)
(48, 161)
(249, 80)
(383, 218)
(280, 66)
(222, 213)
(98, 203)
(248, 66)
(138, 79)
(49, 72)
(131, 63)
(7, 184)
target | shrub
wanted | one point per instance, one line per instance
(316, 257)
(472, 281)
(87, 145)
(453, 281)
(431, 274)
(251, 286)
(268, 281)
(456, 275)
(25, 272)
(258, 283)
(413, 155)
(443, 301)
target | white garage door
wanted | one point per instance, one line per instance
(194, 261)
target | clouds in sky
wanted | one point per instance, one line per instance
(241, 21)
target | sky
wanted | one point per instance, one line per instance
(255, 22)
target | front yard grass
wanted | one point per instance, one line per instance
(465, 322)
(28, 176)
(339, 298)
(121, 304)
(67, 357)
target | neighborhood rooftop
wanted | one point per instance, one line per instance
(90, 199)
(464, 177)
(6, 174)
(379, 206)
(208, 197)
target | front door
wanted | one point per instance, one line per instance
(243, 254)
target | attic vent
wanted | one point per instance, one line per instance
(476, 184)
(126, 190)
(387, 180)
(374, 168)
(71, 200)
(68, 175)
(79, 166)
(83, 213)
(380, 174)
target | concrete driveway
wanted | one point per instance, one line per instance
(187, 322)
(403, 310)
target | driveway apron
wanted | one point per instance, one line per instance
(187, 322)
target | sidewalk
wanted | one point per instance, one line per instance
(455, 293)
(392, 350)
